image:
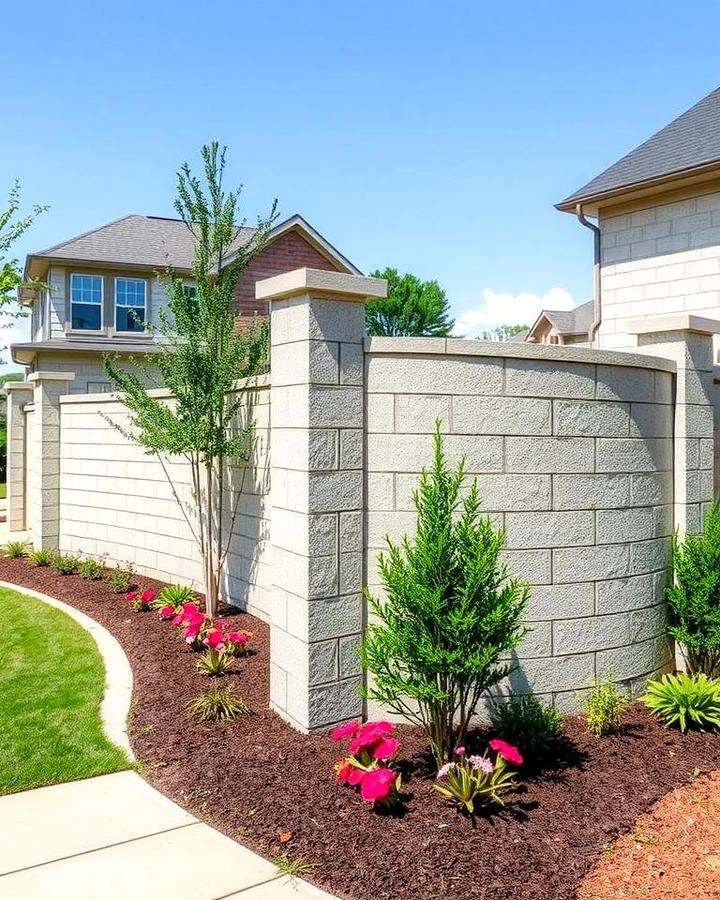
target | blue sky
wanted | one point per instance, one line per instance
(430, 137)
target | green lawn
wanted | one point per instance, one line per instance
(51, 685)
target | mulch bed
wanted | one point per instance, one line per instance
(262, 783)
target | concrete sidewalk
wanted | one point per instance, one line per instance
(115, 837)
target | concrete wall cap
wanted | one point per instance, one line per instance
(674, 322)
(511, 350)
(320, 282)
(254, 383)
(35, 377)
(17, 386)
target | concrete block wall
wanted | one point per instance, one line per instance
(658, 257)
(573, 451)
(116, 502)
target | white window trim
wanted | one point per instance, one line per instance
(144, 282)
(102, 302)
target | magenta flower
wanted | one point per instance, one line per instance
(148, 596)
(506, 751)
(350, 729)
(377, 785)
(386, 748)
(370, 733)
(167, 612)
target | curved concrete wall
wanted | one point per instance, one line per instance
(572, 450)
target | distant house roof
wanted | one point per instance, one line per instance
(565, 321)
(688, 144)
(157, 243)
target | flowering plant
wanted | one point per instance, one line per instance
(142, 602)
(200, 632)
(371, 748)
(471, 780)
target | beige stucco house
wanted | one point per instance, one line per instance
(656, 235)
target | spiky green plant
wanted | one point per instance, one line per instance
(293, 868)
(526, 722)
(604, 704)
(217, 704)
(16, 549)
(214, 663)
(42, 557)
(176, 595)
(204, 355)
(693, 596)
(90, 569)
(451, 612)
(685, 700)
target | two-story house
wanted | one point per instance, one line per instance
(104, 290)
(656, 234)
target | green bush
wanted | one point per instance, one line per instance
(90, 569)
(527, 723)
(42, 557)
(217, 704)
(120, 578)
(605, 703)
(435, 645)
(16, 549)
(65, 565)
(176, 595)
(685, 700)
(693, 596)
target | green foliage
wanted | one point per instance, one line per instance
(527, 723)
(203, 356)
(217, 704)
(11, 229)
(474, 781)
(412, 308)
(452, 611)
(42, 557)
(65, 565)
(214, 663)
(503, 332)
(120, 578)
(176, 595)
(293, 868)
(685, 700)
(604, 703)
(90, 569)
(693, 596)
(16, 549)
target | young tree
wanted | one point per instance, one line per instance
(503, 332)
(434, 645)
(11, 229)
(203, 353)
(412, 308)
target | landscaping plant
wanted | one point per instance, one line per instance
(205, 353)
(214, 663)
(604, 703)
(42, 557)
(120, 578)
(685, 700)
(90, 569)
(65, 565)
(16, 549)
(142, 601)
(217, 704)
(451, 613)
(200, 631)
(532, 726)
(371, 749)
(693, 596)
(471, 781)
(176, 595)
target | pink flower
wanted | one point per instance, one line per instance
(386, 748)
(482, 763)
(356, 776)
(237, 637)
(130, 596)
(369, 734)
(344, 769)
(221, 623)
(350, 729)
(167, 612)
(148, 596)
(460, 751)
(506, 751)
(443, 770)
(377, 785)
(214, 639)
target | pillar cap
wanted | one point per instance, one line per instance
(674, 322)
(17, 386)
(320, 283)
(35, 377)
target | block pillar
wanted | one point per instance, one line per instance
(44, 447)
(317, 325)
(18, 394)
(688, 341)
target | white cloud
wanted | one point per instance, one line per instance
(502, 308)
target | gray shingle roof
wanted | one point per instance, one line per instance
(568, 321)
(135, 240)
(691, 140)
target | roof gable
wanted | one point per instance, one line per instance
(688, 142)
(565, 321)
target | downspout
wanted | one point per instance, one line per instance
(597, 309)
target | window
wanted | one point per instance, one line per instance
(130, 304)
(86, 301)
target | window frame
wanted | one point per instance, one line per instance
(145, 308)
(75, 274)
(108, 276)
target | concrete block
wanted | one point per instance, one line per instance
(540, 378)
(324, 619)
(550, 454)
(330, 320)
(560, 601)
(590, 491)
(393, 525)
(351, 448)
(529, 565)
(623, 525)
(349, 658)
(633, 454)
(413, 453)
(587, 635)
(434, 375)
(381, 490)
(507, 492)
(556, 673)
(637, 659)
(334, 491)
(647, 623)
(626, 383)
(590, 418)
(330, 703)
(549, 529)
(335, 407)
(380, 413)
(350, 572)
(323, 661)
(649, 556)
(577, 564)
(417, 413)
(663, 523)
(500, 415)
(351, 531)
(651, 420)
(651, 489)
(351, 364)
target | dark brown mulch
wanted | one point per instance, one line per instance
(264, 784)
